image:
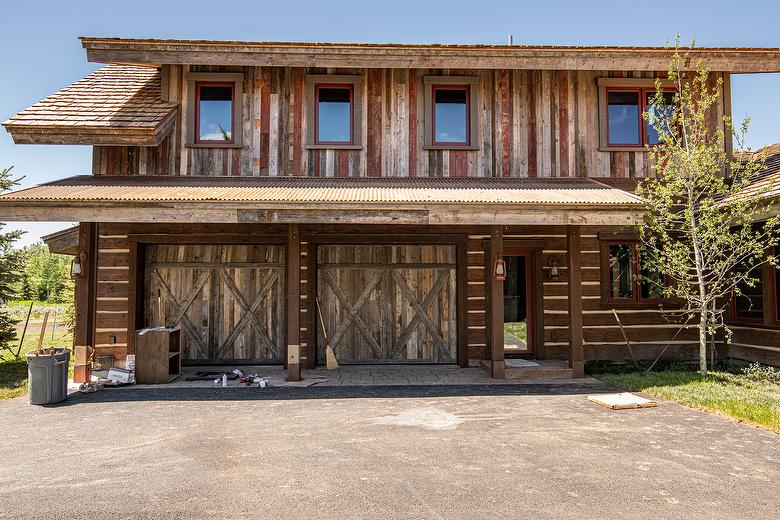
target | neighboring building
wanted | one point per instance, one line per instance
(235, 183)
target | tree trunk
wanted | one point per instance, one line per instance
(703, 341)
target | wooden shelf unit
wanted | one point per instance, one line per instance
(157, 355)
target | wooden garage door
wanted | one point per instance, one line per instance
(227, 299)
(388, 303)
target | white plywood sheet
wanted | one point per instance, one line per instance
(622, 401)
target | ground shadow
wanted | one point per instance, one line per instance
(163, 393)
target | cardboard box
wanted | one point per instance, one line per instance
(120, 375)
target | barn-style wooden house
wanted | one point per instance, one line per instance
(460, 204)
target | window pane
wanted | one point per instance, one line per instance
(621, 271)
(651, 281)
(658, 115)
(334, 115)
(623, 117)
(451, 115)
(215, 113)
(750, 304)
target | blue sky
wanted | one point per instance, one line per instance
(41, 57)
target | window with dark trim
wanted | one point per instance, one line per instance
(333, 114)
(748, 305)
(451, 125)
(625, 125)
(628, 278)
(214, 112)
(776, 287)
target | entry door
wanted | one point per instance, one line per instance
(518, 307)
(227, 299)
(392, 303)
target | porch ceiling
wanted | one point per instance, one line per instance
(323, 200)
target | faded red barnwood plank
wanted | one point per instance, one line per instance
(459, 163)
(265, 116)
(225, 153)
(342, 163)
(412, 122)
(532, 124)
(563, 122)
(374, 117)
(297, 122)
(505, 124)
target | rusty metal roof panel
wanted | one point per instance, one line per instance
(302, 190)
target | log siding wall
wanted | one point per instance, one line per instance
(532, 123)
(648, 328)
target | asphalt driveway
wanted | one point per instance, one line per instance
(423, 452)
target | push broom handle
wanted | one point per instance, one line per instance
(322, 321)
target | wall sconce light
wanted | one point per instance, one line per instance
(77, 265)
(499, 268)
(554, 272)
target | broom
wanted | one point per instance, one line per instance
(330, 355)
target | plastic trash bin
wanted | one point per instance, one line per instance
(47, 376)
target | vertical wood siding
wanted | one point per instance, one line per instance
(532, 123)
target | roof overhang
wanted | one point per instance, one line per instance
(300, 54)
(187, 199)
(64, 242)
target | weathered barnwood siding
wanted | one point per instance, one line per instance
(541, 123)
(755, 344)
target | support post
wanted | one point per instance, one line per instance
(574, 246)
(497, 367)
(292, 304)
(84, 297)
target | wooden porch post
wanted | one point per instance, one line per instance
(85, 286)
(496, 305)
(292, 304)
(574, 243)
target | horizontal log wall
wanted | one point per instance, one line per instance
(649, 329)
(531, 124)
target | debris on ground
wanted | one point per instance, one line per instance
(622, 401)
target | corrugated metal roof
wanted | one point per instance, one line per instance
(303, 190)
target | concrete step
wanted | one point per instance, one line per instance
(535, 369)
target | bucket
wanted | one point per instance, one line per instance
(47, 376)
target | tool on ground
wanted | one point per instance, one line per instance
(43, 333)
(330, 354)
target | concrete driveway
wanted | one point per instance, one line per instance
(522, 451)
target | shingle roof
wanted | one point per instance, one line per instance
(115, 105)
(302, 190)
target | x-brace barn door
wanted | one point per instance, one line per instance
(389, 303)
(228, 300)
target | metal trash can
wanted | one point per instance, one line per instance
(47, 376)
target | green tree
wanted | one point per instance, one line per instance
(48, 274)
(705, 232)
(10, 270)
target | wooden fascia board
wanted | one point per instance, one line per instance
(166, 212)
(241, 54)
(65, 242)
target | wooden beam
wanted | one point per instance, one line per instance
(496, 317)
(292, 303)
(574, 247)
(85, 286)
(462, 299)
(282, 54)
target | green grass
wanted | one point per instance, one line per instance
(13, 378)
(731, 394)
(516, 329)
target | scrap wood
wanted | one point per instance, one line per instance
(622, 401)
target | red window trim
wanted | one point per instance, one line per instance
(467, 90)
(636, 283)
(643, 125)
(198, 85)
(351, 89)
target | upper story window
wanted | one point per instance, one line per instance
(334, 114)
(622, 101)
(626, 276)
(334, 108)
(450, 112)
(214, 113)
(214, 109)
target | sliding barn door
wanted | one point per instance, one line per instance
(228, 300)
(389, 303)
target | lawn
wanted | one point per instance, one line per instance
(516, 329)
(13, 372)
(740, 395)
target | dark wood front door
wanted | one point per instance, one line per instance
(391, 303)
(227, 299)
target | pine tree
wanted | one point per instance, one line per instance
(10, 271)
